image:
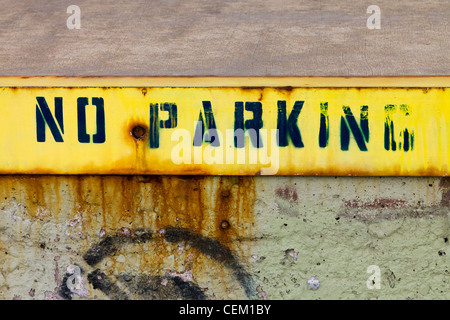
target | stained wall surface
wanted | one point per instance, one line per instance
(211, 237)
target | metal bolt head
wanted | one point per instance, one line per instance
(224, 225)
(138, 132)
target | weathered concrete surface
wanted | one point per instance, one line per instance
(224, 237)
(171, 37)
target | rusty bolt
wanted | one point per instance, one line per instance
(225, 193)
(138, 132)
(224, 225)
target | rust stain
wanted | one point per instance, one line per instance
(201, 205)
(220, 208)
(122, 167)
(444, 185)
(137, 130)
(287, 193)
(391, 209)
(34, 197)
(376, 203)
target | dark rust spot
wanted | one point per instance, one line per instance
(225, 193)
(287, 193)
(224, 225)
(377, 203)
(138, 132)
(444, 185)
(287, 88)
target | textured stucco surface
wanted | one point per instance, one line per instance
(282, 231)
(161, 237)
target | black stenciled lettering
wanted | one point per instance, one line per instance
(100, 135)
(255, 123)
(407, 143)
(171, 122)
(154, 128)
(45, 117)
(408, 137)
(324, 131)
(239, 141)
(211, 134)
(288, 126)
(360, 132)
(252, 125)
(389, 139)
(156, 124)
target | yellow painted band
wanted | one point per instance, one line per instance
(225, 126)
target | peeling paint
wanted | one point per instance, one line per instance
(147, 237)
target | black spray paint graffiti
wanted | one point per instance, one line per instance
(150, 286)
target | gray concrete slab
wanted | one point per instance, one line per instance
(225, 38)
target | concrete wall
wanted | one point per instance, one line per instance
(162, 237)
(223, 237)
